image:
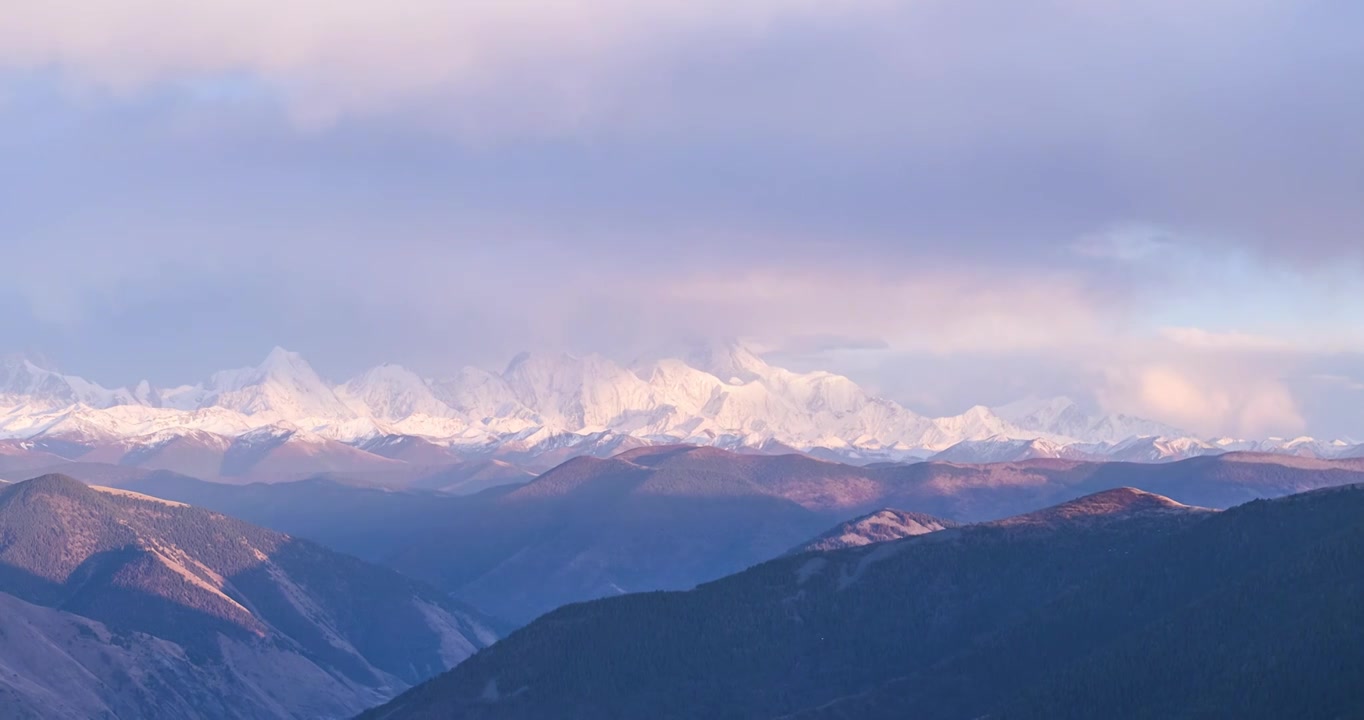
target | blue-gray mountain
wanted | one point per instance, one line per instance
(1121, 604)
(671, 517)
(118, 605)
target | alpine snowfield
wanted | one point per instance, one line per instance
(556, 406)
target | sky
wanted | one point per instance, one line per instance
(1153, 207)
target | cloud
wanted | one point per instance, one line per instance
(330, 59)
(1342, 382)
(1129, 243)
(1206, 402)
(896, 127)
(961, 201)
(941, 310)
(1200, 339)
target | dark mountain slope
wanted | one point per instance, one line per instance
(275, 626)
(1251, 613)
(797, 632)
(591, 528)
(55, 665)
(974, 493)
(473, 477)
(1273, 631)
(1123, 605)
(671, 517)
(367, 522)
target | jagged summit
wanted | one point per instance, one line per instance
(729, 360)
(283, 387)
(1001, 448)
(28, 383)
(279, 365)
(392, 392)
(278, 357)
(1064, 417)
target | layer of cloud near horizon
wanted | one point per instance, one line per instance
(1152, 206)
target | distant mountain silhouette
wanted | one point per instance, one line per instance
(670, 517)
(1122, 604)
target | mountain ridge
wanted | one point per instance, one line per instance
(1125, 605)
(258, 623)
(669, 517)
(556, 404)
(876, 527)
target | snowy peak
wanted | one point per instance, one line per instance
(1160, 449)
(1044, 415)
(391, 393)
(279, 367)
(975, 419)
(1004, 449)
(1063, 417)
(1118, 427)
(22, 382)
(1300, 446)
(571, 393)
(722, 394)
(977, 423)
(283, 386)
(730, 361)
(281, 362)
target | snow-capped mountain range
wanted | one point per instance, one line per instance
(722, 395)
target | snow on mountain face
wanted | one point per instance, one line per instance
(391, 393)
(1300, 446)
(1063, 417)
(1000, 449)
(23, 383)
(484, 397)
(722, 394)
(1160, 449)
(589, 393)
(731, 363)
(1047, 415)
(285, 386)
